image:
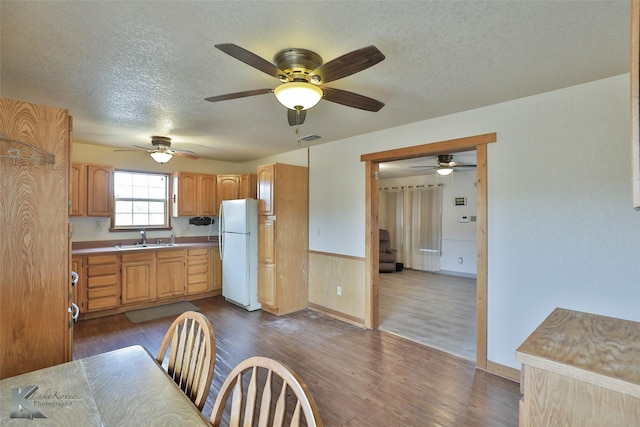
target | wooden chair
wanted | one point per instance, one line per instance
(191, 346)
(293, 395)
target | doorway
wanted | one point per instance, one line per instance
(372, 161)
(430, 298)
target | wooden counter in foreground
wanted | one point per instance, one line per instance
(581, 369)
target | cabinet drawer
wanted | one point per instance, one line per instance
(102, 259)
(102, 298)
(102, 270)
(100, 281)
(197, 269)
(198, 252)
(138, 256)
(200, 260)
(170, 254)
(102, 303)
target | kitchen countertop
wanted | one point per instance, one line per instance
(111, 246)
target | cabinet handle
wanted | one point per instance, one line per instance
(74, 278)
(75, 311)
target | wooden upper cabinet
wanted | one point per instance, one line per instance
(194, 194)
(207, 195)
(91, 192)
(99, 190)
(248, 186)
(266, 181)
(228, 187)
(184, 199)
(78, 191)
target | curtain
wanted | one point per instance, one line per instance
(423, 233)
(413, 217)
(392, 217)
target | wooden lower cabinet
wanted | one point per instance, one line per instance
(114, 283)
(216, 265)
(138, 277)
(267, 288)
(103, 282)
(170, 273)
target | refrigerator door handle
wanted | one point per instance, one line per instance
(221, 231)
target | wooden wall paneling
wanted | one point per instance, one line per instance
(327, 272)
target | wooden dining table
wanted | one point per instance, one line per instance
(124, 387)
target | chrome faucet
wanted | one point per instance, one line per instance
(143, 234)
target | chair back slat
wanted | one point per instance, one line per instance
(265, 404)
(293, 391)
(295, 418)
(236, 403)
(252, 395)
(281, 406)
(191, 349)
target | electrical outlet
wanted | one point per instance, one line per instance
(339, 290)
(460, 260)
(98, 225)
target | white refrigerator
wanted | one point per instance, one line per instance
(238, 244)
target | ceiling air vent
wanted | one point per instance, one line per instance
(310, 138)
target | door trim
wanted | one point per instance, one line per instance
(372, 163)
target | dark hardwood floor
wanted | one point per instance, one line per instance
(358, 377)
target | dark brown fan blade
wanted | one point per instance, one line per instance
(145, 148)
(296, 117)
(253, 60)
(238, 95)
(463, 166)
(351, 99)
(347, 64)
(182, 153)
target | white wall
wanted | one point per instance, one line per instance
(458, 239)
(561, 227)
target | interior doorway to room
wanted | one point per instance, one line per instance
(372, 162)
(431, 220)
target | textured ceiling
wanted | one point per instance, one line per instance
(129, 70)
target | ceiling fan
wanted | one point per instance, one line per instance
(161, 151)
(301, 73)
(446, 165)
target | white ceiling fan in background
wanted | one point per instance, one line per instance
(162, 152)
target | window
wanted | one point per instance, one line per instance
(141, 200)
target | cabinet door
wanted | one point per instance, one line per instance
(228, 187)
(216, 273)
(207, 200)
(198, 270)
(170, 272)
(78, 194)
(266, 240)
(99, 190)
(185, 190)
(248, 186)
(267, 284)
(138, 277)
(266, 180)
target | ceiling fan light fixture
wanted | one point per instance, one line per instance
(298, 95)
(161, 156)
(445, 170)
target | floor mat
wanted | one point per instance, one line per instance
(158, 312)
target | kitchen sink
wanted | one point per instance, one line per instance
(146, 246)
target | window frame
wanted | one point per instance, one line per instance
(167, 202)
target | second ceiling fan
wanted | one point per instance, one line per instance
(302, 75)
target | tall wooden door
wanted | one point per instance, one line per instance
(35, 277)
